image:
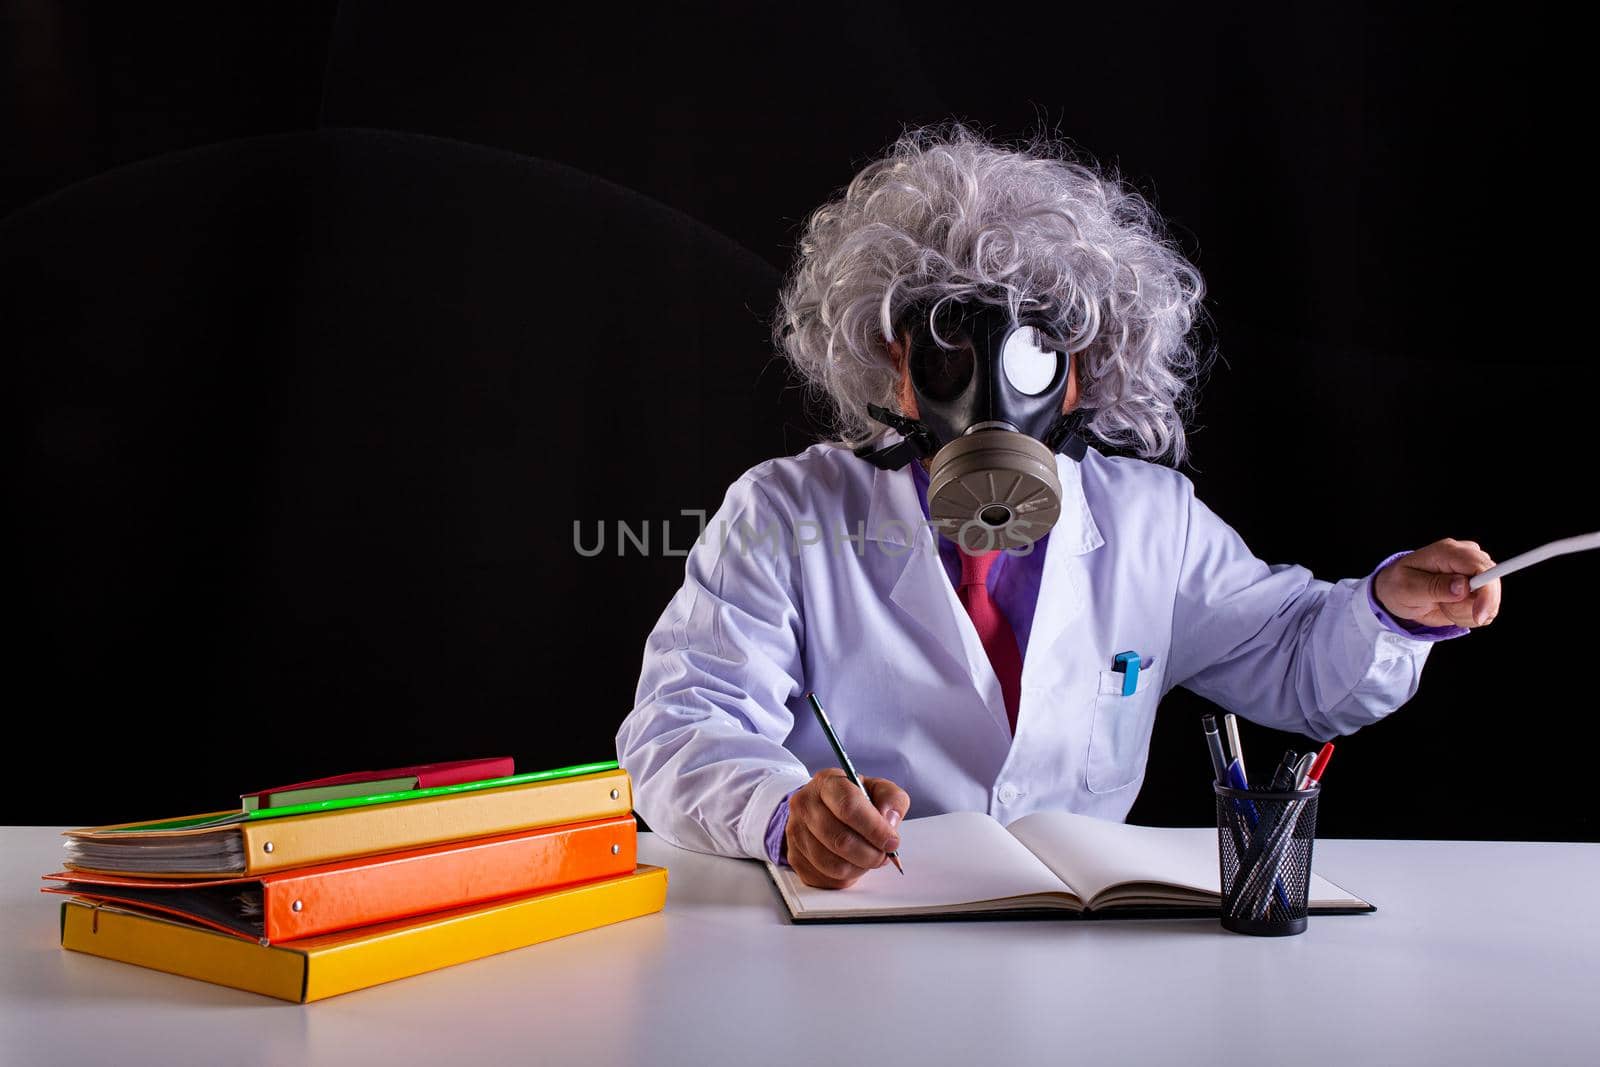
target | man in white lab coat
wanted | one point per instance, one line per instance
(989, 607)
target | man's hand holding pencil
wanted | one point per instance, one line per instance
(836, 834)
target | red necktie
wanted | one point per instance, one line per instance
(993, 629)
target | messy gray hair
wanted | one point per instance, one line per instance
(946, 214)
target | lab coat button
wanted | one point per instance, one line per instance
(1008, 793)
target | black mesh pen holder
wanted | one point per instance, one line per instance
(1264, 840)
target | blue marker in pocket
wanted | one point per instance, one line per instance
(1128, 664)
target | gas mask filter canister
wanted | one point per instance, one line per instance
(989, 392)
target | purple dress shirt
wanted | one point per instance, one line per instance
(1014, 585)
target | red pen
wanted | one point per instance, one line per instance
(1318, 765)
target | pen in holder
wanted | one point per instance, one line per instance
(1264, 840)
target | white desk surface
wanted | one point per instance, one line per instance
(1480, 952)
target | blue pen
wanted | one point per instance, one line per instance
(1236, 779)
(1219, 772)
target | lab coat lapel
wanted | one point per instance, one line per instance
(922, 588)
(1063, 583)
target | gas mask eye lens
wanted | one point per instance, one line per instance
(942, 373)
(1029, 366)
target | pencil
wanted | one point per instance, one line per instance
(844, 762)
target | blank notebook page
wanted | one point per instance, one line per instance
(1104, 853)
(957, 858)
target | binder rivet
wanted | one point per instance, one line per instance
(297, 905)
(267, 847)
(614, 794)
(615, 849)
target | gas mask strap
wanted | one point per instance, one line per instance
(1065, 435)
(919, 441)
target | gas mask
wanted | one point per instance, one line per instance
(989, 393)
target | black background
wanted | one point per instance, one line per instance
(322, 335)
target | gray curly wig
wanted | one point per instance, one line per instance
(946, 214)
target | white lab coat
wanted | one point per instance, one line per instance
(866, 616)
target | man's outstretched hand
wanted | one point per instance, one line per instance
(1429, 586)
(835, 834)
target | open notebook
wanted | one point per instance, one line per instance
(966, 863)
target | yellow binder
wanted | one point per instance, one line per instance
(318, 967)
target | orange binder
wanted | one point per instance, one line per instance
(325, 966)
(337, 896)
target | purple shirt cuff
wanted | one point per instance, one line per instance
(1401, 626)
(775, 829)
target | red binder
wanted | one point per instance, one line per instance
(427, 775)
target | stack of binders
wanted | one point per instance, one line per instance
(313, 890)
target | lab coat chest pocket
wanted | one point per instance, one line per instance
(1119, 735)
